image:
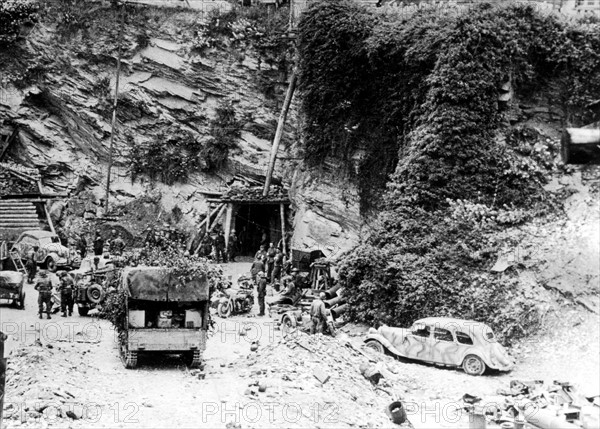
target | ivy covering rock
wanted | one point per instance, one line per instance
(418, 96)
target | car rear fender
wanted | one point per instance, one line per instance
(384, 342)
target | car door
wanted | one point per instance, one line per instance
(417, 343)
(445, 349)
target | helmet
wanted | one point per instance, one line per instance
(295, 270)
(61, 273)
(43, 273)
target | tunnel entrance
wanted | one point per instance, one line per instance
(256, 219)
(255, 225)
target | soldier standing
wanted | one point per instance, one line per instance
(318, 315)
(44, 287)
(66, 293)
(262, 292)
(98, 244)
(271, 252)
(30, 264)
(220, 248)
(277, 266)
(82, 246)
(261, 254)
(118, 245)
(232, 248)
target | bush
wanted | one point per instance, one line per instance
(170, 157)
(225, 129)
(419, 96)
(13, 14)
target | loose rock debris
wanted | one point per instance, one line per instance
(536, 404)
(321, 377)
(31, 386)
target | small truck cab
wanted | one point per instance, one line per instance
(164, 313)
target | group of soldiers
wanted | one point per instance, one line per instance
(66, 288)
(268, 267)
(218, 247)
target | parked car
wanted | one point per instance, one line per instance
(444, 341)
(11, 288)
(51, 254)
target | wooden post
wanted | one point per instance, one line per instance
(45, 205)
(228, 219)
(208, 219)
(282, 213)
(114, 113)
(279, 132)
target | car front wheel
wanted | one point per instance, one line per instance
(51, 265)
(473, 365)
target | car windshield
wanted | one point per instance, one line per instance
(48, 240)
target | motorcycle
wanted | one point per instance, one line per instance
(236, 301)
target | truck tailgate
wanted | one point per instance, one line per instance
(166, 339)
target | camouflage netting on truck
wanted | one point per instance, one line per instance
(163, 284)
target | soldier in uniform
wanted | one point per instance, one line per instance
(232, 247)
(44, 287)
(271, 252)
(318, 315)
(277, 266)
(220, 255)
(118, 245)
(30, 264)
(98, 244)
(66, 290)
(262, 292)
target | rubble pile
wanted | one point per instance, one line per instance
(538, 404)
(33, 398)
(330, 374)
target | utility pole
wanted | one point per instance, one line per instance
(279, 132)
(114, 112)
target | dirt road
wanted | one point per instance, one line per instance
(66, 372)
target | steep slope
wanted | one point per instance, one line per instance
(176, 73)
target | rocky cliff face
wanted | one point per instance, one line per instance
(168, 78)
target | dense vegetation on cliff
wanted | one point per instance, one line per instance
(420, 96)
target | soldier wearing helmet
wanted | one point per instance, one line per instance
(66, 289)
(44, 287)
(262, 292)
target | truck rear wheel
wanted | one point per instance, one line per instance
(21, 302)
(128, 357)
(193, 359)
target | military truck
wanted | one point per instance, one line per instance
(164, 313)
(11, 288)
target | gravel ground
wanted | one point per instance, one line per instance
(67, 373)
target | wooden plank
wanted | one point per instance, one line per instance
(219, 214)
(282, 214)
(228, 219)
